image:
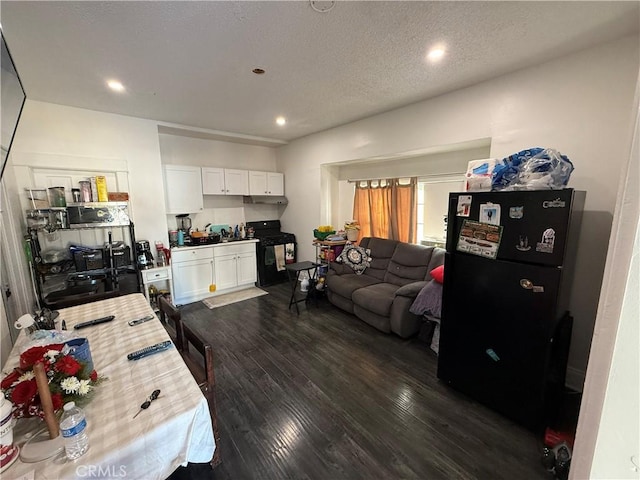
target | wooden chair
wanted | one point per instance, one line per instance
(167, 310)
(205, 376)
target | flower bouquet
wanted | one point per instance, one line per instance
(69, 380)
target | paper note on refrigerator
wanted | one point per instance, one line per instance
(480, 239)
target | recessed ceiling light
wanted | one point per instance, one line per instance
(115, 85)
(281, 121)
(436, 54)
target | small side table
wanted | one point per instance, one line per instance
(297, 268)
(156, 274)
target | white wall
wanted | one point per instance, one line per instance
(85, 139)
(579, 104)
(608, 436)
(177, 150)
(221, 209)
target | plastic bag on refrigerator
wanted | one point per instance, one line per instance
(533, 169)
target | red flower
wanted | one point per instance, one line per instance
(34, 354)
(93, 376)
(56, 398)
(9, 379)
(24, 392)
(68, 365)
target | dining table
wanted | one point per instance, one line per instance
(175, 428)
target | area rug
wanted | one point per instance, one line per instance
(233, 297)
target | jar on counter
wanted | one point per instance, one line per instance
(56, 197)
(85, 191)
(173, 238)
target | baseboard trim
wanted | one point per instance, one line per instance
(575, 379)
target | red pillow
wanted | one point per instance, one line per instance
(438, 274)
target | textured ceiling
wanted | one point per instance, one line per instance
(190, 62)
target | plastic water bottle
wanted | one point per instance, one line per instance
(73, 426)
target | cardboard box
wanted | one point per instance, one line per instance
(101, 186)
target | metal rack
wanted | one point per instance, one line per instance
(50, 279)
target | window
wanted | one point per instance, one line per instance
(433, 204)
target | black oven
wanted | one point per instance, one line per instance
(274, 251)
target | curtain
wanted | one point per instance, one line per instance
(386, 209)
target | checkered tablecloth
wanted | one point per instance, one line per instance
(175, 429)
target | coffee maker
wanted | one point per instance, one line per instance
(143, 254)
(184, 224)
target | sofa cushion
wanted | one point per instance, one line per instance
(437, 258)
(438, 274)
(346, 284)
(355, 257)
(381, 252)
(409, 263)
(375, 298)
(411, 289)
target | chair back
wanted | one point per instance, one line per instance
(174, 329)
(200, 363)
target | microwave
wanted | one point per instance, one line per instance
(98, 214)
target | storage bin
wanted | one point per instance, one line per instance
(322, 235)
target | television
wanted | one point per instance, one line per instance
(11, 102)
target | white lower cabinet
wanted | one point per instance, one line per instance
(247, 268)
(235, 265)
(228, 266)
(193, 274)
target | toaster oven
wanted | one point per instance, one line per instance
(98, 214)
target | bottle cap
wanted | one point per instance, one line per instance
(69, 405)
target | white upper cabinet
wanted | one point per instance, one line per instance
(236, 182)
(183, 189)
(275, 183)
(258, 183)
(224, 181)
(213, 181)
(266, 183)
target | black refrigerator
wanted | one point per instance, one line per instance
(505, 327)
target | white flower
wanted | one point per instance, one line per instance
(70, 384)
(25, 376)
(84, 387)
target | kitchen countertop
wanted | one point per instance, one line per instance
(221, 244)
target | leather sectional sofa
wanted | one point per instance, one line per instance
(382, 295)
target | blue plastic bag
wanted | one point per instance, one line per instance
(533, 169)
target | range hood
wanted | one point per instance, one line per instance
(268, 199)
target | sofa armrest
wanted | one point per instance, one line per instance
(411, 289)
(340, 268)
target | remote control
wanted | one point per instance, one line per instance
(141, 320)
(94, 322)
(145, 352)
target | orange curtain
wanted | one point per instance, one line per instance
(386, 209)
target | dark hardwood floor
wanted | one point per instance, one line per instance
(322, 395)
